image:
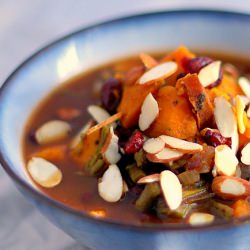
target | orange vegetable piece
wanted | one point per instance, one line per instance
(132, 99)
(227, 88)
(89, 147)
(134, 74)
(199, 99)
(245, 138)
(68, 113)
(175, 116)
(148, 61)
(241, 208)
(247, 132)
(53, 153)
(179, 55)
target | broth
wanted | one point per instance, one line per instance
(78, 190)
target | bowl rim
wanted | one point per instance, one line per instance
(82, 214)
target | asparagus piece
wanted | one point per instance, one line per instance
(181, 212)
(140, 158)
(134, 172)
(223, 209)
(148, 196)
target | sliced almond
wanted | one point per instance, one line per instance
(245, 154)
(224, 117)
(148, 61)
(44, 172)
(229, 187)
(171, 189)
(166, 155)
(110, 187)
(159, 72)
(153, 145)
(181, 145)
(109, 121)
(225, 160)
(149, 179)
(240, 107)
(210, 73)
(199, 219)
(110, 150)
(149, 112)
(98, 114)
(52, 131)
(244, 85)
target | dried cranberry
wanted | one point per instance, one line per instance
(135, 143)
(194, 65)
(214, 138)
(111, 94)
(181, 75)
(123, 134)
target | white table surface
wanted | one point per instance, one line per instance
(25, 26)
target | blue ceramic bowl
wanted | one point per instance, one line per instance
(94, 46)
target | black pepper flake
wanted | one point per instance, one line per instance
(199, 102)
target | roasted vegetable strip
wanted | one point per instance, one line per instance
(135, 173)
(148, 196)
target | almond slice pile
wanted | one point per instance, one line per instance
(98, 114)
(224, 117)
(159, 72)
(111, 185)
(181, 145)
(199, 219)
(225, 160)
(110, 150)
(244, 85)
(166, 155)
(171, 189)
(154, 145)
(210, 74)
(245, 154)
(149, 112)
(44, 172)
(52, 131)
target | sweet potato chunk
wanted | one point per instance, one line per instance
(227, 88)
(175, 117)
(89, 147)
(199, 99)
(179, 56)
(132, 99)
(241, 208)
(53, 153)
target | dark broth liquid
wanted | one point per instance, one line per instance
(76, 190)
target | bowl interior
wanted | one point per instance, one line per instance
(92, 47)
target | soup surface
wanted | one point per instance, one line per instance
(78, 186)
